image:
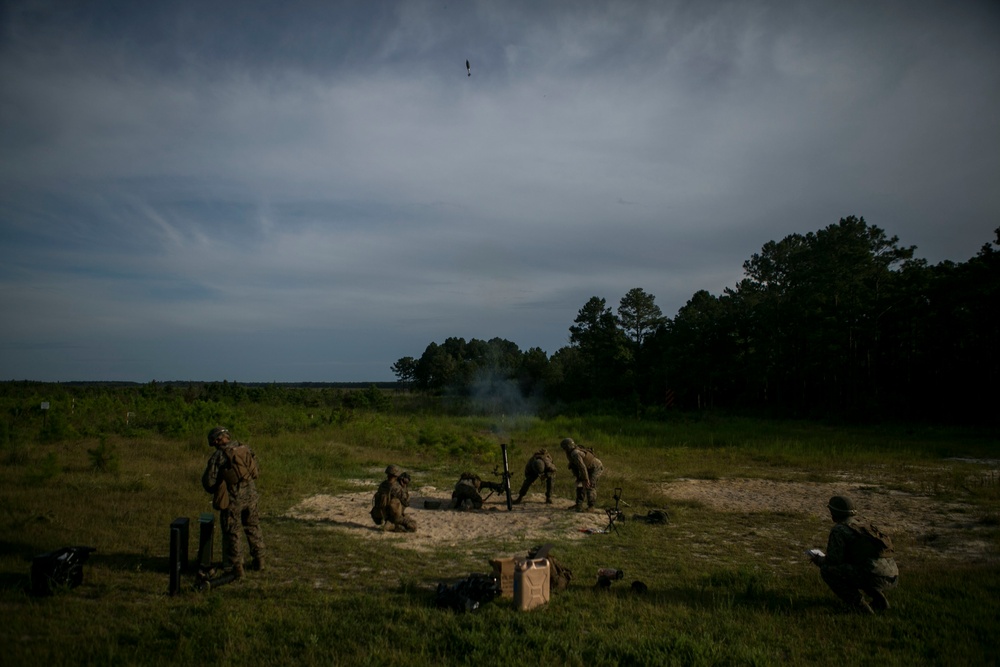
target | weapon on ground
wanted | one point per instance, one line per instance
(615, 513)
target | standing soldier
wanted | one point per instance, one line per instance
(539, 465)
(391, 500)
(587, 468)
(230, 476)
(858, 559)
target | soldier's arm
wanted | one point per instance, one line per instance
(836, 547)
(581, 470)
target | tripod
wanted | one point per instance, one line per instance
(615, 513)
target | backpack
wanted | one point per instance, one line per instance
(241, 466)
(656, 517)
(469, 593)
(559, 574)
(380, 504)
(874, 543)
(589, 457)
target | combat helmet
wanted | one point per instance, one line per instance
(841, 507)
(393, 470)
(567, 444)
(215, 433)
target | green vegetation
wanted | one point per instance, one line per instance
(724, 587)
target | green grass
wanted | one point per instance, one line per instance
(721, 586)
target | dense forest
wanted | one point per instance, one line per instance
(842, 322)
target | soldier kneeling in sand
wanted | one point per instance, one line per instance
(467, 491)
(391, 500)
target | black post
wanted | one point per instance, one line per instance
(206, 533)
(178, 552)
(506, 478)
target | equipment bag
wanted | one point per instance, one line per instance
(58, 569)
(874, 543)
(242, 465)
(220, 498)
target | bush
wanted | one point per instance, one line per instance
(104, 457)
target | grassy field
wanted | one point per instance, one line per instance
(725, 587)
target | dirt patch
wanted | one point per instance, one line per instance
(927, 527)
(950, 530)
(531, 521)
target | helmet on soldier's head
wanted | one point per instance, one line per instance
(393, 470)
(214, 434)
(841, 507)
(567, 444)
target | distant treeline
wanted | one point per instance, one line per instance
(842, 322)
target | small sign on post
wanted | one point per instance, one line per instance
(45, 413)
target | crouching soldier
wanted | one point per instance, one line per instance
(539, 465)
(391, 500)
(858, 559)
(467, 491)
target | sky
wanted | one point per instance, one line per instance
(310, 191)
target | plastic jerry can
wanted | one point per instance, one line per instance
(531, 583)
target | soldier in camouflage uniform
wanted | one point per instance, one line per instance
(391, 500)
(587, 469)
(242, 513)
(850, 567)
(467, 491)
(539, 465)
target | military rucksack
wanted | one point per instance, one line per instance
(380, 504)
(240, 466)
(589, 457)
(874, 542)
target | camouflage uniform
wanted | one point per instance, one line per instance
(848, 573)
(587, 469)
(242, 512)
(466, 494)
(539, 465)
(390, 503)
(850, 566)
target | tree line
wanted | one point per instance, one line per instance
(840, 322)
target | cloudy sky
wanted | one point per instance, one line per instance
(308, 191)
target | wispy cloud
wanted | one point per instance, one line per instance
(169, 176)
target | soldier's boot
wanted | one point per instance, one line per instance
(257, 564)
(548, 500)
(863, 608)
(238, 570)
(879, 601)
(517, 501)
